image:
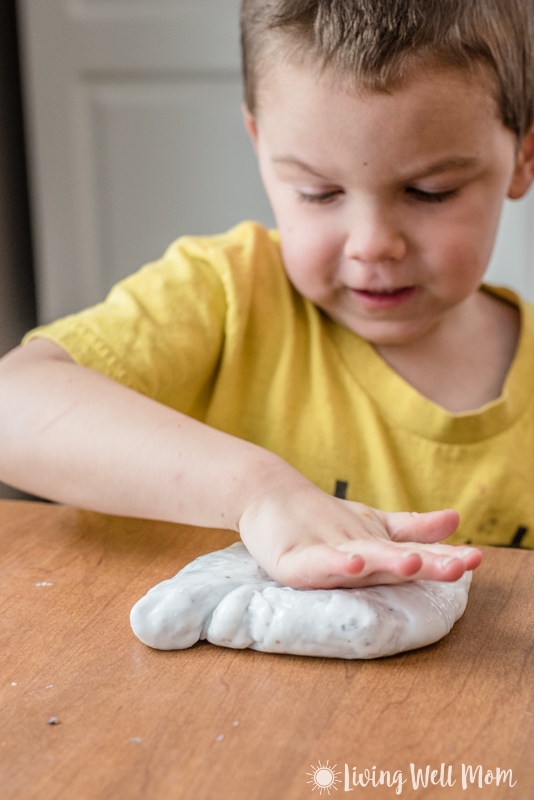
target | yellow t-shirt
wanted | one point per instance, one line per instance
(216, 330)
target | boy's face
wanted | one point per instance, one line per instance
(387, 204)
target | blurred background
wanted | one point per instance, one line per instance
(120, 129)
(17, 292)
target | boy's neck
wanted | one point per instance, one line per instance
(462, 366)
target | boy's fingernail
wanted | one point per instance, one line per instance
(446, 561)
(409, 554)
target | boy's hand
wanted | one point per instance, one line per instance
(303, 537)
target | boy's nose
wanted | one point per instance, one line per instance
(373, 237)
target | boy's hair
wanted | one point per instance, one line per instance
(375, 43)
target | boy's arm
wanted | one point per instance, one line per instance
(76, 436)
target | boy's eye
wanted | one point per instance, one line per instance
(431, 197)
(318, 197)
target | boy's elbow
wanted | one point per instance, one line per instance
(24, 356)
(25, 372)
(22, 375)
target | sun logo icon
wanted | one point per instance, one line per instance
(324, 777)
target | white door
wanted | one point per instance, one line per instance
(513, 258)
(135, 137)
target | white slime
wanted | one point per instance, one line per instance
(226, 598)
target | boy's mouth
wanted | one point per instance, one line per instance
(384, 298)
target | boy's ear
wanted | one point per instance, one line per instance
(250, 124)
(524, 168)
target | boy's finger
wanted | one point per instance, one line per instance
(394, 563)
(398, 563)
(319, 567)
(432, 526)
(371, 563)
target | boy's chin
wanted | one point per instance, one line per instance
(389, 333)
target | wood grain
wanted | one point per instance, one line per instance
(214, 723)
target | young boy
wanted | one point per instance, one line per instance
(288, 384)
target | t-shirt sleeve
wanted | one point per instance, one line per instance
(159, 332)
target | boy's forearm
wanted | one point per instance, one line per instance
(78, 437)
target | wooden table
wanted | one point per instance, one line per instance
(209, 723)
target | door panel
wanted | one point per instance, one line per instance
(156, 160)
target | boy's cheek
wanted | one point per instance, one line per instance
(305, 252)
(458, 269)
